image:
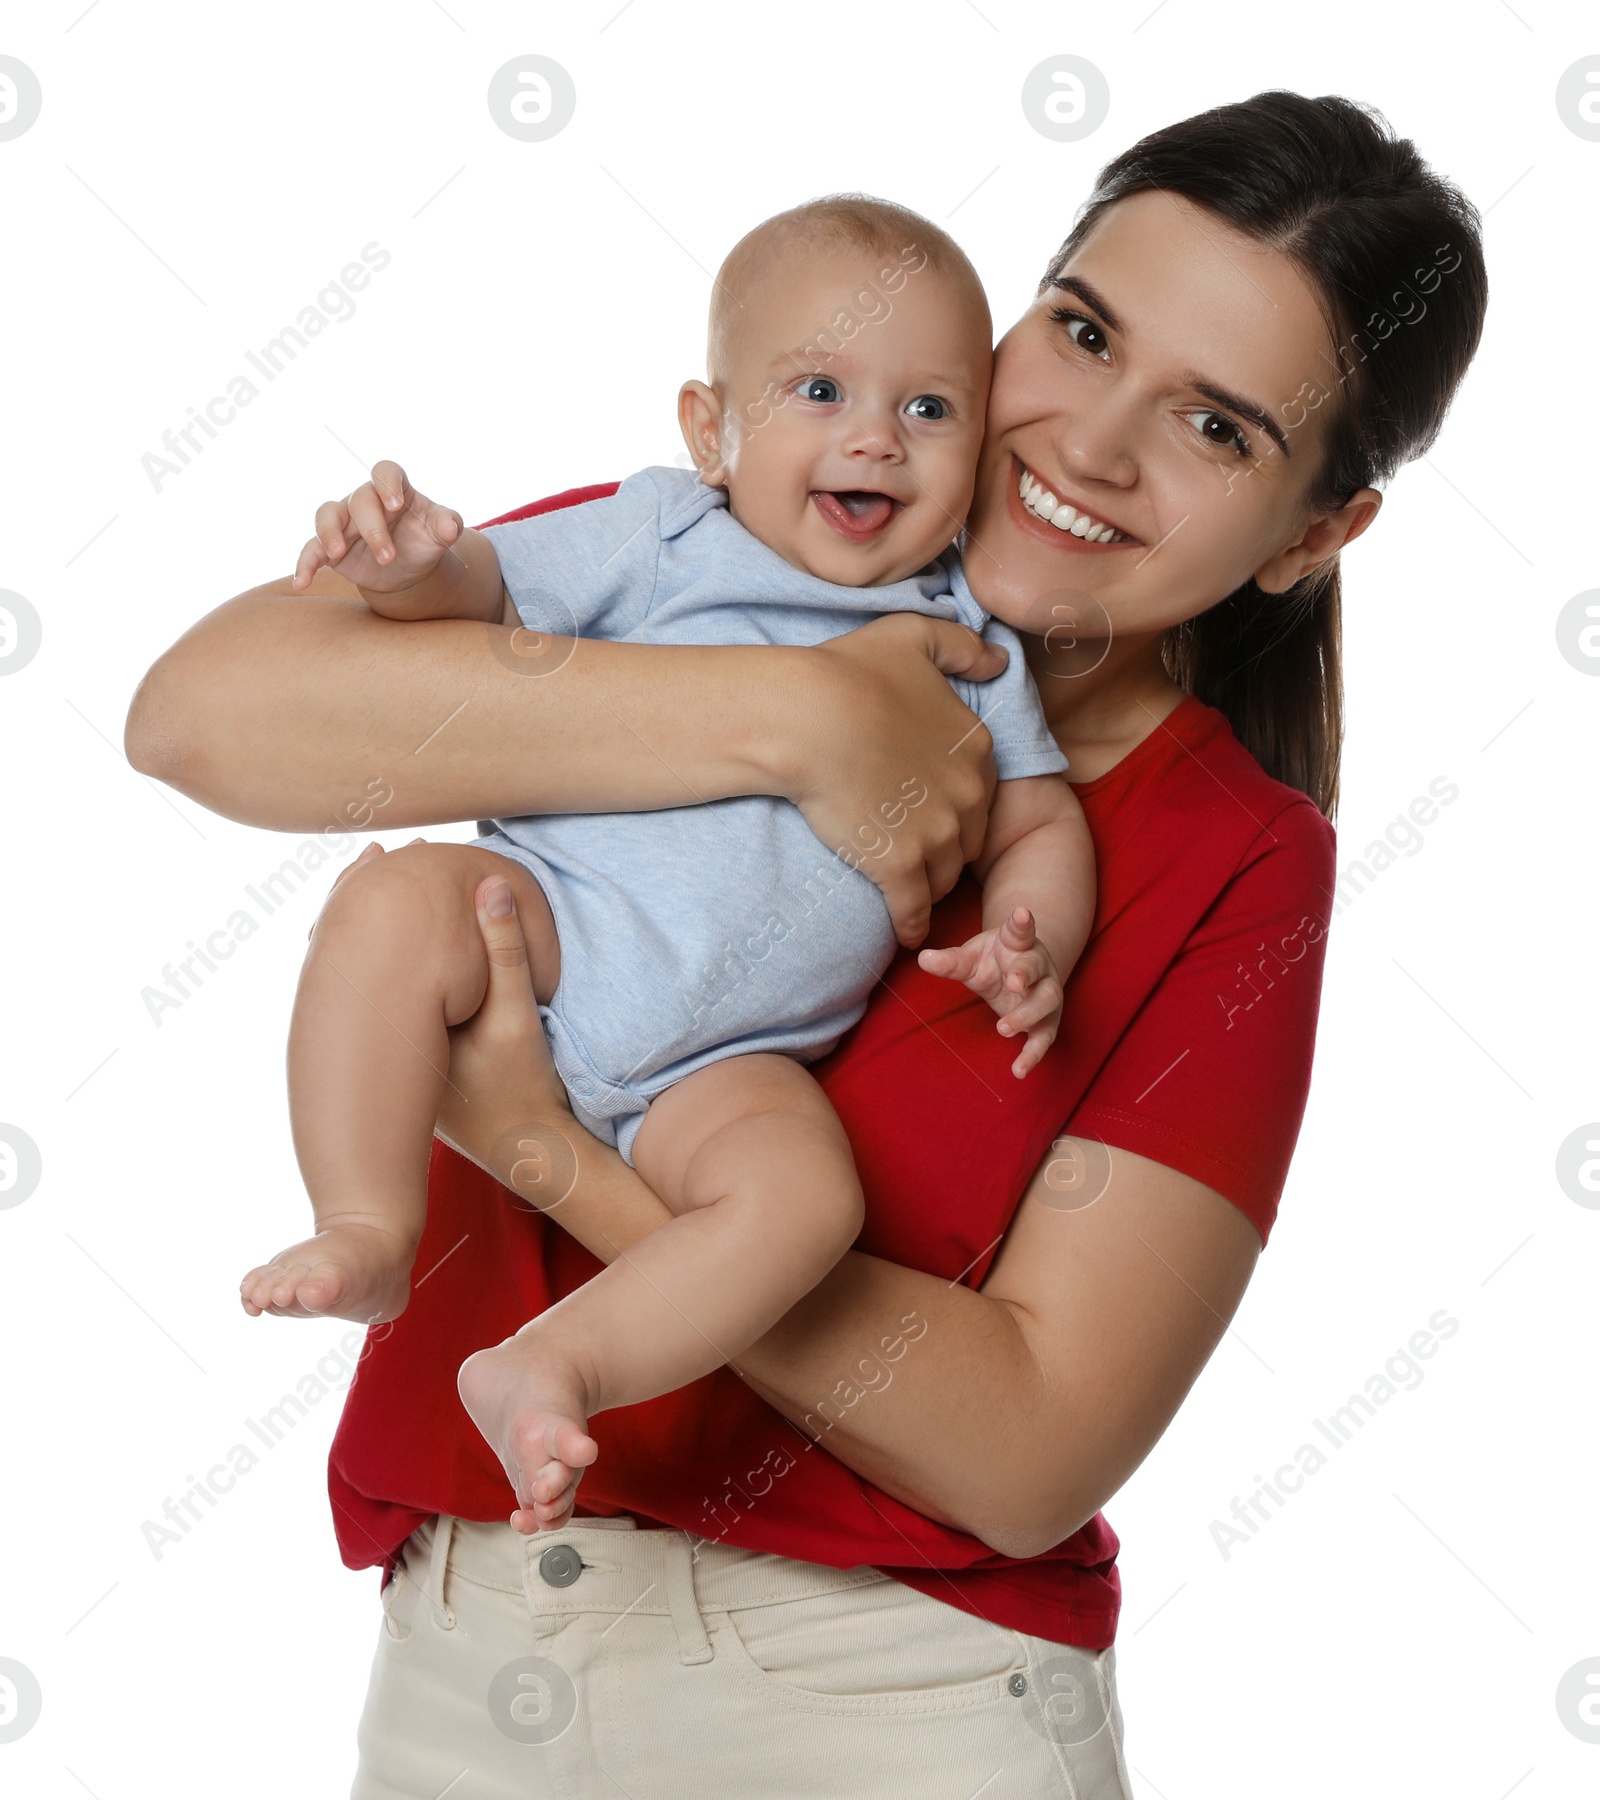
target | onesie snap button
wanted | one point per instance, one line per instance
(1018, 1685)
(560, 1565)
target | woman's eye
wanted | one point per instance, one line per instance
(1217, 428)
(1083, 332)
(928, 406)
(820, 388)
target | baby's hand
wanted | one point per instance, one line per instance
(386, 537)
(1016, 974)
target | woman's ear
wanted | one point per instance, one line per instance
(1325, 535)
(700, 421)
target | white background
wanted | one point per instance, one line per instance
(197, 175)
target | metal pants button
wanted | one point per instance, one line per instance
(560, 1565)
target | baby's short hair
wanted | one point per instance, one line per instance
(849, 221)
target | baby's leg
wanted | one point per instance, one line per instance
(754, 1162)
(395, 960)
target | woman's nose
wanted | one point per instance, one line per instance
(1099, 445)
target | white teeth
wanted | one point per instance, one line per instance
(1044, 505)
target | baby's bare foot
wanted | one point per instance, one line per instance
(532, 1404)
(351, 1269)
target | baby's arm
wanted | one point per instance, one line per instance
(408, 557)
(1037, 869)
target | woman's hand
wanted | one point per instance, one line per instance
(891, 770)
(505, 1109)
(504, 1106)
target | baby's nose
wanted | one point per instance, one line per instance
(874, 436)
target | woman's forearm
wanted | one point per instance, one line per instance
(924, 1388)
(291, 711)
(278, 709)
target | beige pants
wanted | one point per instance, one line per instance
(605, 1662)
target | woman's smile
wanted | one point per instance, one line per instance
(1069, 525)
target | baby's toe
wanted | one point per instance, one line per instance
(549, 1483)
(320, 1285)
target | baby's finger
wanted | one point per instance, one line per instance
(393, 488)
(444, 523)
(333, 527)
(1032, 1053)
(312, 557)
(1040, 1004)
(954, 964)
(367, 517)
(1026, 970)
(1018, 931)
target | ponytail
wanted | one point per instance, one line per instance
(1269, 663)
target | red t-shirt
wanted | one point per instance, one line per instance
(1186, 1037)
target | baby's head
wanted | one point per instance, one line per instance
(849, 368)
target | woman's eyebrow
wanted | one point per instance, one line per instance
(1246, 409)
(1218, 396)
(1089, 295)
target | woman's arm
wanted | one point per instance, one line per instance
(281, 709)
(1020, 1410)
(1062, 1372)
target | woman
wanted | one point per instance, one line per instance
(1260, 314)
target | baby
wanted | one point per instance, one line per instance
(687, 962)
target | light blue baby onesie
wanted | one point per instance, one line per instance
(704, 932)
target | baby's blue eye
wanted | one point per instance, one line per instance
(820, 388)
(928, 406)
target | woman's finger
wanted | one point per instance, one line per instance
(943, 863)
(510, 998)
(910, 903)
(956, 650)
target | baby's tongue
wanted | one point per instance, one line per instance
(864, 512)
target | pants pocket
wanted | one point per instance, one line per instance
(882, 1645)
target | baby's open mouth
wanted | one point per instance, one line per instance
(855, 512)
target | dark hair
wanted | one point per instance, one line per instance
(1393, 252)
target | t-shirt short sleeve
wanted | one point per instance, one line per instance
(1211, 1077)
(585, 571)
(1010, 708)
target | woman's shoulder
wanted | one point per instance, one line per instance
(1189, 792)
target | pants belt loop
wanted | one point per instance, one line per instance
(438, 1561)
(693, 1644)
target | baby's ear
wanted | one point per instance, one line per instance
(700, 420)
